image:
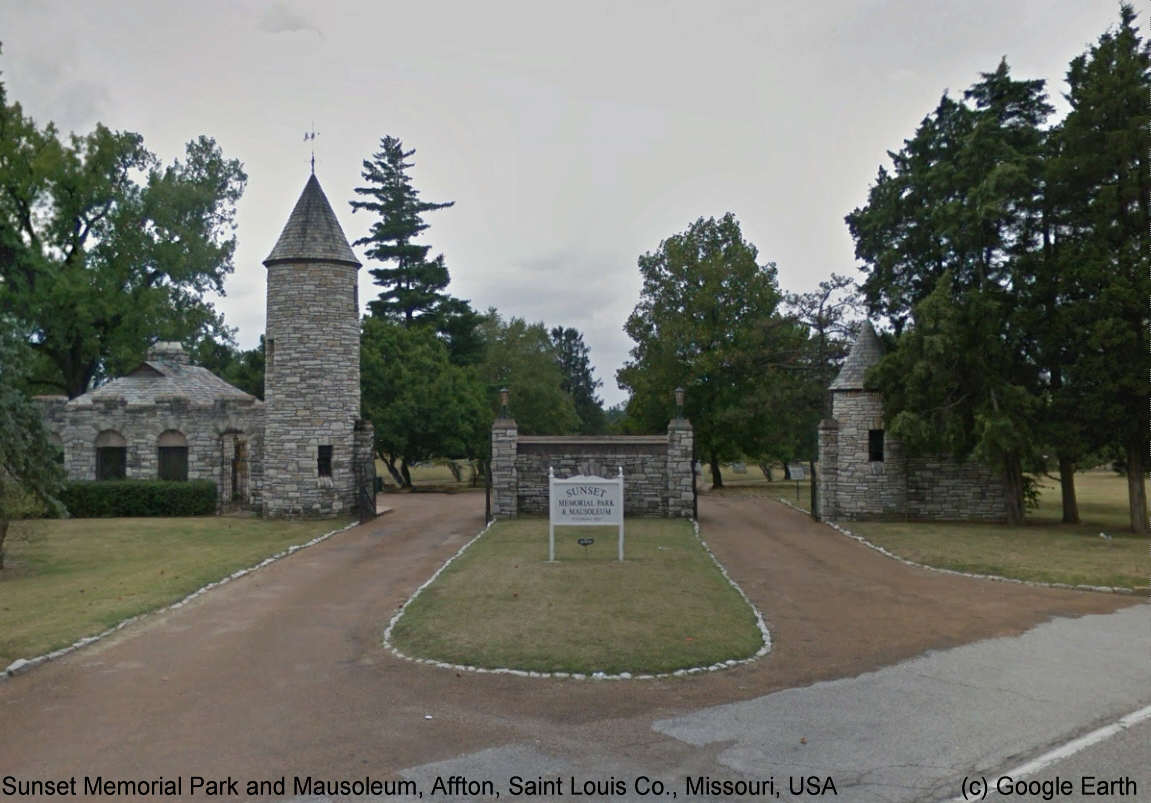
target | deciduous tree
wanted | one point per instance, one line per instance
(521, 357)
(707, 321)
(28, 463)
(103, 250)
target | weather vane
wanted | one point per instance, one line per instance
(311, 137)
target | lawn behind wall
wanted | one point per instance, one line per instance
(501, 604)
(67, 579)
(1043, 549)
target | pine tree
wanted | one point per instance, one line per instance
(574, 361)
(413, 287)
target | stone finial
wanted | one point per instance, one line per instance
(168, 351)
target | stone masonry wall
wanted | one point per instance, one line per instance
(644, 462)
(312, 386)
(206, 427)
(658, 478)
(942, 488)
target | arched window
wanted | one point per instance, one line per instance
(172, 448)
(111, 455)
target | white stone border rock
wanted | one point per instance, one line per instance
(1037, 583)
(765, 635)
(21, 665)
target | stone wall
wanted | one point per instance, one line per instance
(852, 486)
(657, 469)
(211, 431)
(943, 488)
(312, 384)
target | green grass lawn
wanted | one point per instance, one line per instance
(501, 604)
(433, 476)
(67, 579)
(1043, 549)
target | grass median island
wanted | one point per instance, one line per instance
(501, 604)
(67, 579)
(1043, 549)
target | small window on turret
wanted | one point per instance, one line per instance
(324, 462)
(875, 445)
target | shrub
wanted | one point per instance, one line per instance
(139, 498)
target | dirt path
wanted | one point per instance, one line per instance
(282, 673)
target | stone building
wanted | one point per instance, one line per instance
(303, 451)
(167, 420)
(864, 473)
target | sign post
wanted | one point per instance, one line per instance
(796, 472)
(584, 502)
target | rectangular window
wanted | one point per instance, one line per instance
(173, 463)
(111, 462)
(324, 461)
(875, 445)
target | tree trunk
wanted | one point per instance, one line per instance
(1013, 485)
(786, 471)
(1067, 485)
(716, 477)
(766, 469)
(407, 474)
(3, 535)
(1137, 489)
(390, 464)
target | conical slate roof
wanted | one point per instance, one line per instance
(865, 352)
(312, 232)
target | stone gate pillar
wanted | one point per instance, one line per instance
(505, 436)
(680, 469)
(828, 472)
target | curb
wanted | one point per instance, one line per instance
(21, 665)
(765, 634)
(998, 578)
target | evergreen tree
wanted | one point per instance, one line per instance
(413, 287)
(950, 239)
(1103, 175)
(579, 381)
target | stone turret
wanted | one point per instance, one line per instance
(863, 473)
(312, 378)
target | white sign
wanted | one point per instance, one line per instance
(584, 502)
(796, 472)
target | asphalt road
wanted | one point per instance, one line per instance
(893, 682)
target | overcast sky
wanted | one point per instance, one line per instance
(573, 137)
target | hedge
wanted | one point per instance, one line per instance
(139, 498)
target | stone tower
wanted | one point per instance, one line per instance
(312, 376)
(862, 470)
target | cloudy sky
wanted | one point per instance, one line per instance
(573, 137)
